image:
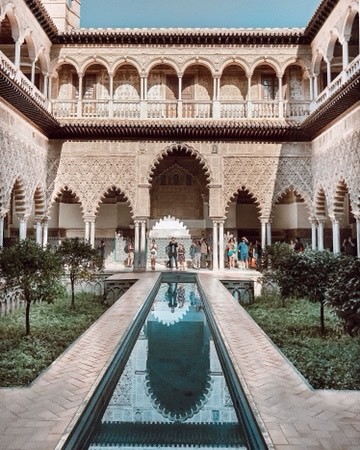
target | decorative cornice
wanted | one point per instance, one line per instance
(42, 16)
(318, 19)
(183, 36)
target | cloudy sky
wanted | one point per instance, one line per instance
(197, 13)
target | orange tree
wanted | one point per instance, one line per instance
(34, 270)
(81, 262)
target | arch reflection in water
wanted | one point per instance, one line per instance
(172, 391)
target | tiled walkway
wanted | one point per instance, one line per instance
(292, 415)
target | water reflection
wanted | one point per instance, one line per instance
(172, 390)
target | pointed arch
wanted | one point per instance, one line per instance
(114, 191)
(243, 190)
(298, 192)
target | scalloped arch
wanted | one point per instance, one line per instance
(39, 201)
(320, 201)
(251, 195)
(305, 196)
(57, 191)
(188, 150)
(341, 189)
(118, 189)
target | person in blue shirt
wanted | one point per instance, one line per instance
(243, 250)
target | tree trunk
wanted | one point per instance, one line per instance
(322, 318)
(72, 293)
(27, 317)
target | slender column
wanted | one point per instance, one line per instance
(2, 231)
(321, 223)
(33, 71)
(221, 245)
(336, 234)
(92, 233)
(263, 233)
(280, 102)
(268, 232)
(111, 95)
(22, 228)
(136, 245)
(249, 106)
(358, 235)
(45, 231)
(215, 244)
(316, 87)
(345, 54)
(143, 243)
(311, 88)
(179, 102)
(216, 102)
(38, 231)
(328, 72)
(79, 111)
(87, 231)
(313, 232)
(17, 53)
(143, 98)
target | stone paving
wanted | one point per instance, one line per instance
(291, 414)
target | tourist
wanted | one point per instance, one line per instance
(299, 246)
(203, 253)
(192, 251)
(231, 252)
(243, 249)
(181, 257)
(258, 252)
(349, 247)
(101, 249)
(197, 254)
(130, 253)
(153, 253)
(172, 253)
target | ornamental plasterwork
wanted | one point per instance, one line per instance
(89, 177)
(23, 161)
(266, 178)
(336, 162)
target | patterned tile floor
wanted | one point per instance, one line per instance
(291, 414)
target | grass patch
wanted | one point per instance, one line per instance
(331, 361)
(53, 328)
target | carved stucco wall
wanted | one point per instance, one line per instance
(23, 160)
(90, 169)
(336, 158)
(267, 171)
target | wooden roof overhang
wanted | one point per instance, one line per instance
(14, 95)
(194, 130)
(42, 16)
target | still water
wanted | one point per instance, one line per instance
(172, 391)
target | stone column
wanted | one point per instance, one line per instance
(136, 245)
(45, 230)
(17, 53)
(92, 232)
(248, 100)
(79, 103)
(179, 102)
(357, 218)
(216, 102)
(268, 232)
(320, 230)
(263, 233)
(328, 73)
(143, 97)
(345, 53)
(142, 244)
(38, 230)
(221, 244)
(22, 227)
(215, 243)
(280, 100)
(336, 234)
(313, 232)
(111, 95)
(2, 231)
(87, 230)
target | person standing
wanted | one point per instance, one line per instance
(101, 249)
(243, 249)
(153, 253)
(197, 254)
(299, 246)
(231, 252)
(130, 249)
(181, 257)
(173, 245)
(192, 253)
(204, 251)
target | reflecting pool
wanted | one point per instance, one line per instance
(172, 391)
